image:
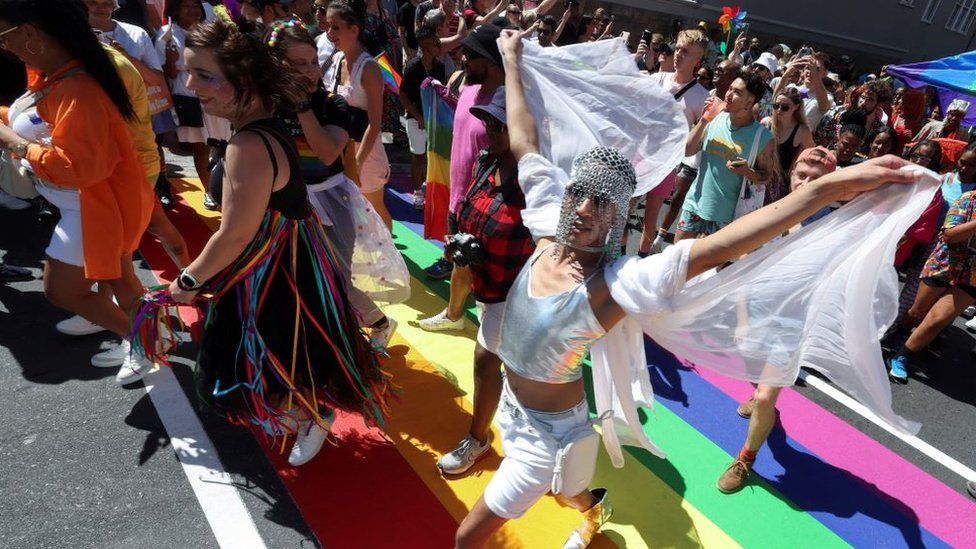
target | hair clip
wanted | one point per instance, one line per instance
(278, 26)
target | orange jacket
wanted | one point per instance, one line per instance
(91, 150)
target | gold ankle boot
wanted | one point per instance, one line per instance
(593, 518)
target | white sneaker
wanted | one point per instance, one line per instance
(379, 338)
(11, 202)
(309, 441)
(440, 323)
(464, 456)
(971, 324)
(970, 312)
(78, 326)
(113, 357)
(134, 369)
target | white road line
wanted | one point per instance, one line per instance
(913, 441)
(221, 503)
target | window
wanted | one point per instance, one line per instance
(932, 7)
(961, 20)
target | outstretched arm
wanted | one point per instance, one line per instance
(753, 230)
(522, 135)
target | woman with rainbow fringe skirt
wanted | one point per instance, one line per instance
(281, 347)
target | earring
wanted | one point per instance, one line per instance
(27, 46)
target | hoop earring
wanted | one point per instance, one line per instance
(27, 46)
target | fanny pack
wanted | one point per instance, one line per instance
(575, 461)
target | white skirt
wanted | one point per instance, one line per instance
(363, 243)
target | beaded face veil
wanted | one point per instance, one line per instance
(601, 173)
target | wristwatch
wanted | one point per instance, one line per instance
(187, 282)
(303, 106)
(20, 149)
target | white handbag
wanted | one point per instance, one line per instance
(14, 179)
(576, 461)
(751, 196)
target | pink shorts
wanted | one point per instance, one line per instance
(664, 189)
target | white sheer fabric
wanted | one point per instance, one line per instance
(588, 95)
(364, 244)
(819, 298)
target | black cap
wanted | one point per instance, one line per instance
(483, 42)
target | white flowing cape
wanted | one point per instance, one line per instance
(818, 298)
(589, 95)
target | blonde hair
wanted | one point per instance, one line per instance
(693, 37)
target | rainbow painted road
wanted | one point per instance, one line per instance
(820, 482)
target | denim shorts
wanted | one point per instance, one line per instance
(525, 474)
(693, 223)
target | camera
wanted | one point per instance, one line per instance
(465, 249)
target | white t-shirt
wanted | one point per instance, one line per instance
(325, 49)
(810, 106)
(692, 101)
(178, 36)
(136, 43)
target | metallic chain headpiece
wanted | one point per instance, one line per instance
(605, 174)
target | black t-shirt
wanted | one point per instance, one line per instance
(414, 75)
(569, 34)
(329, 109)
(406, 16)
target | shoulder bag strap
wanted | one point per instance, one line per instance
(685, 88)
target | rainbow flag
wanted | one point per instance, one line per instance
(438, 108)
(391, 77)
(953, 77)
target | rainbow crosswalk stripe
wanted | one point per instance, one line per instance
(819, 482)
(391, 77)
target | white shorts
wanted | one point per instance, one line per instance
(415, 136)
(490, 331)
(375, 171)
(187, 134)
(525, 475)
(66, 242)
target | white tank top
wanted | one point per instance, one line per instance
(353, 92)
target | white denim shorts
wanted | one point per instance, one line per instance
(525, 474)
(490, 330)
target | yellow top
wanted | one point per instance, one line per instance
(141, 128)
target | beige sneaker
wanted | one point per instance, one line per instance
(593, 519)
(440, 323)
(746, 408)
(734, 478)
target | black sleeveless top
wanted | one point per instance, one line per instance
(292, 199)
(787, 151)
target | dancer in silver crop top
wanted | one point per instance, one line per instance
(566, 299)
(561, 328)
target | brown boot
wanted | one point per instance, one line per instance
(734, 478)
(746, 408)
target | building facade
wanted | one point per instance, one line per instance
(874, 32)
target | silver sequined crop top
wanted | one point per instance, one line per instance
(546, 338)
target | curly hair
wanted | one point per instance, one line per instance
(247, 63)
(66, 22)
(880, 89)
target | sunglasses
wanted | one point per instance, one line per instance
(915, 157)
(515, 11)
(494, 125)
(782, 107)
(320, 8)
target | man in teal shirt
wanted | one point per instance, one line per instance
(725, 138)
